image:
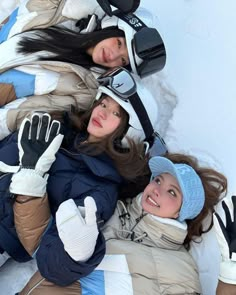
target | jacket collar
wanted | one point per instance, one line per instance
(168, 235)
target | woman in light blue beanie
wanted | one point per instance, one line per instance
(191, 192)
(148, 236)
(176, 191)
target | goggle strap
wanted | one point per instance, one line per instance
(160, 139)
(131, 19)
(142, 115)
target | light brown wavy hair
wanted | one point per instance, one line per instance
(130, 162)
(215, 187)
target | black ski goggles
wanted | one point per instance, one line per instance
(148, 45)
(119, 81)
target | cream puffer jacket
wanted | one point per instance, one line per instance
(148, 251)
(27, 85)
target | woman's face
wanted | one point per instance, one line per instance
(162, 197)
(110, 52)
(104, 120)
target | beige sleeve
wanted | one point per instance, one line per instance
(7, 93)
(38, 285)
(225, 289)
(31, 217)
(48, 13)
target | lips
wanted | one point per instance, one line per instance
(96, 123)
(104, 56)
(151, 202)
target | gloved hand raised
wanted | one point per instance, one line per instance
(38, 141)
(78, 233)
(225, 228)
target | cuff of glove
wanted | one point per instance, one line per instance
(28, 182)
(228, 272)
(78, 255)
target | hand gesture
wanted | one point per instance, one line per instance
(78, 233)
(38, 141)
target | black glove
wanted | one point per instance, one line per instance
(38, 142)
(225, 227)
(125, 6)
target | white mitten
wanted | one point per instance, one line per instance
(225, 227)
(78, 9)
(77, 233)
(38, 141)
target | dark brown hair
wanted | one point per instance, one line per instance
(215, 186)
(129, 161)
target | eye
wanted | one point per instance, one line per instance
(123, 62)
(172, 192)
(119, 43)
(102, 104)
(157, 180)
(117, 114)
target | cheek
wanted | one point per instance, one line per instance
(116, 63)
(110, 42)
(95, 53)
(148, 188)
(115, 124)
(94, 112)
(173, 205)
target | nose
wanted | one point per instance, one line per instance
(103, 114)
(157, 191)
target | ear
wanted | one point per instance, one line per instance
(176, 215)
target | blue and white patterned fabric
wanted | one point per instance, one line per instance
(111, 277)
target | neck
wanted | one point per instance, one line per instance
(92, 139)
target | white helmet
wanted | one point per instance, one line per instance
(146, 49)
(134, 98)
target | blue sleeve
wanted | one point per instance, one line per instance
(4, 32)
(58, 267)
(54, 262)
(23, 83)
(9, 153)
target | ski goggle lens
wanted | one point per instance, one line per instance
(148, 45)
(120, 81)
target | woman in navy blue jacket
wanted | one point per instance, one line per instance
(95, 156)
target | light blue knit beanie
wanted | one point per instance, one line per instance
(189, 182)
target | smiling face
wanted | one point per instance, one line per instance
(104, 120)
(162, 197)
(110, 52)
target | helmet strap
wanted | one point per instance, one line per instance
(142, 116)
(131, 19)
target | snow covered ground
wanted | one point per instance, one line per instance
(197, 98)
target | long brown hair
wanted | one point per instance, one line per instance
(129, 161)
(215, 186)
